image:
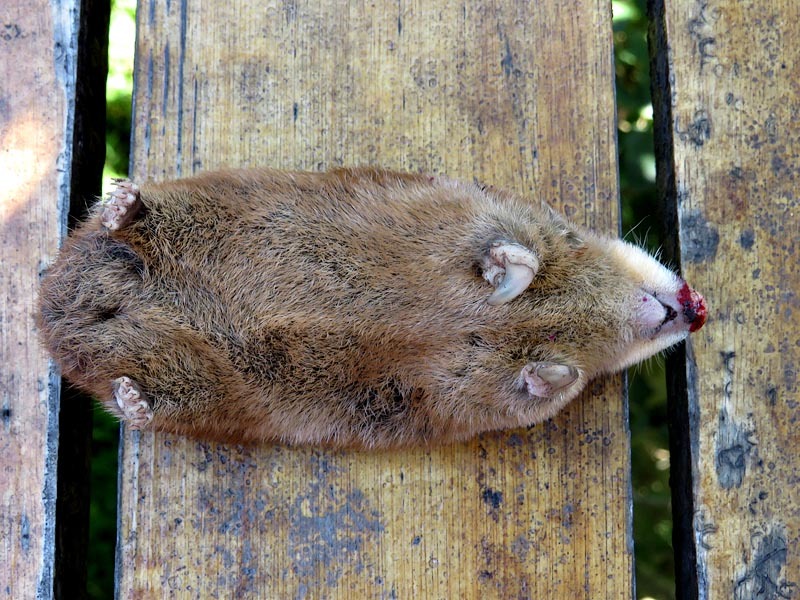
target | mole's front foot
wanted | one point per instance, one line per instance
(510, 268)
(546, 379)
(122, 205)
(135, 409)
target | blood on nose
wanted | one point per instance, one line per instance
(694, 307)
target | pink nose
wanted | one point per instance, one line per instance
(694, 307)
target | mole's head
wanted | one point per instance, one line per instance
(661, 307)
(588, 305)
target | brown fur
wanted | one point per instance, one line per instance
(344, 308)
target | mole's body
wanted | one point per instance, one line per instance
(354, 308)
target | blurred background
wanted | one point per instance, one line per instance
(650, 456)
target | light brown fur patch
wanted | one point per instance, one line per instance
(345, 308)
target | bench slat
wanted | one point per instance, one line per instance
(37, 102)
(727, 95)
(520, 95)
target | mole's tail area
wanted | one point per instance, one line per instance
(92, 281)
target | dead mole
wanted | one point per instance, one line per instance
(356, 308)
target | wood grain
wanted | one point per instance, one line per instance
(727, 95)
(37, 41)
(518, 94)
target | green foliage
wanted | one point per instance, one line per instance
(103, 506)
(118, 89)
(650, 457)
(635, 121)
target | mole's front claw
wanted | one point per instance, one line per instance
(546, 379)
(510, 268)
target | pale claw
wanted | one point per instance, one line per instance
(511, 269)
(516, 280)
(545, 379)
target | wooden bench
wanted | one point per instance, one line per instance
(520, 94)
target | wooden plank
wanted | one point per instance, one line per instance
(520, 95)
(38, 41)
(727, 96)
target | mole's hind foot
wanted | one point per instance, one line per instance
(135, 409)
(121, 206)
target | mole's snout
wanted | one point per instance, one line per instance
(693, 306)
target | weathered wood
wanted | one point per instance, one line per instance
(520, 95)
(38, 43)
(728, 102)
